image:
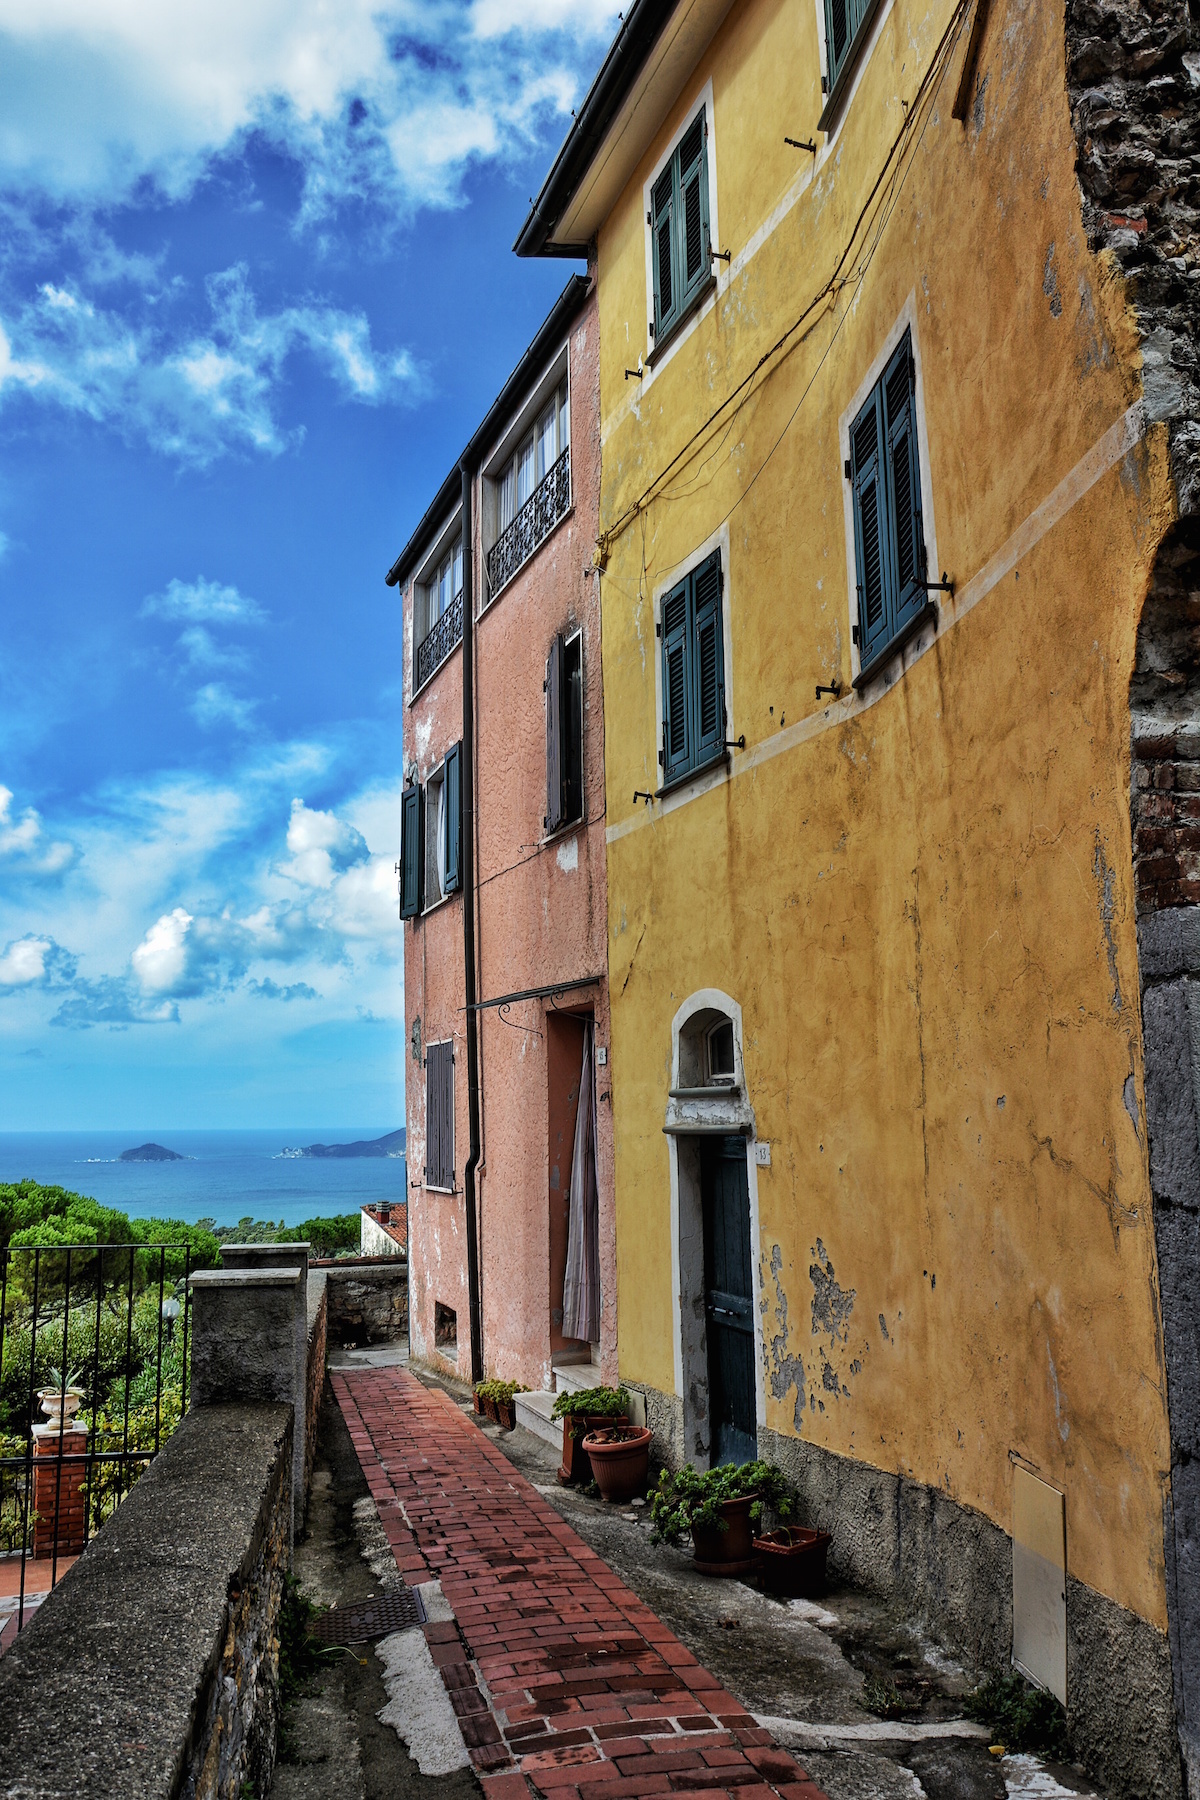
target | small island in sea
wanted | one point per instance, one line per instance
(151, 1153)
(391, 1144)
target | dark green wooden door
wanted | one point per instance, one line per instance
(728, 1299)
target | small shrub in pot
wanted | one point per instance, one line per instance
(620, 1459)
(720, 1508)
(497, 1398)
(585, 1411)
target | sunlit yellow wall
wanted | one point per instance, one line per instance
(925, 908)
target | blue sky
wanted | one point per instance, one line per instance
(255, 291)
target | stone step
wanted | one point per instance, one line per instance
(572, 1378)
(533, 1412)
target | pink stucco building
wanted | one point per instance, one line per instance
(511, 1241)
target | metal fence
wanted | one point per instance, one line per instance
(93, 1380)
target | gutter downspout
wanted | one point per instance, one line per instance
(467, 839)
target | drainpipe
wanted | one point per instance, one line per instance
(467, 852)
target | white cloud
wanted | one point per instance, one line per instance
(203, 600)
(24, 847)
(161, 958)
(214, 705)
(98, 96)
(34, 961)
(200, 650)
(322, 846)
(193, 395)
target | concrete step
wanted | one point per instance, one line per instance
(572, 1378)
(533, 1412)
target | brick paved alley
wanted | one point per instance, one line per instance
(560, 1675)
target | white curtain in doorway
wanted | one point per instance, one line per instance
(581, 1288)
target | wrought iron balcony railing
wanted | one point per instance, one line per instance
(549, 500)
(439, 641)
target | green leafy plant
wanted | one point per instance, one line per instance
(884, 1698)
(1021, 1716)
(596, 1403)
(694, 1498)
(72, 1383)
(500, 1391)
(298, 1652)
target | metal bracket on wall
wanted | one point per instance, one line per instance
(738, 743)
(639, 794)
(944, 586)
(834, 688)
(802, 144)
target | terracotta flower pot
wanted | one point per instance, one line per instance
(620, 1459)
(728, 1552)
(480, 1403)
(576, 1466)
(792, 1561)
(489, 1407)
(506, 1413)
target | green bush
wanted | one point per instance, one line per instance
(693, 1498)
(500, 1391)
(1021, 1716)
(598, 1402)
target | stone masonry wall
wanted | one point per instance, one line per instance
(368, 1302)
(317, 1301)
(1133, 72)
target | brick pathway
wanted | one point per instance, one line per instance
(564, 1682)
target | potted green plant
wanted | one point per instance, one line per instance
(580, 1413)
(720, 1507)
(497, 1398)
(620, 1459)
(791, 1560)
(62, 1400)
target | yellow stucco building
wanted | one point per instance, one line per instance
(895, 506)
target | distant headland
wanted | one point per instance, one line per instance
(392, 1144)
(151, 1153)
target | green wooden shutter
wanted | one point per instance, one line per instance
(904, 484)
(708, 662)
(677, 755)
(412, 862)
(842, 21)
(870, 530)
(694, 260)
(452, 776)
(554, 737)
(662, 228)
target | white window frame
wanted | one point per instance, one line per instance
(433, 853)
(524, 421)
(421, 584)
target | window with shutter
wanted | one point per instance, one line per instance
(844, 19)
(412, 852)
(889, 539)
(693, 672)
(572, 731)
(452, 793)
(679, 229)
(554, 685)
(439, 1116)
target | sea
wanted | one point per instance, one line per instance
(227, 1175)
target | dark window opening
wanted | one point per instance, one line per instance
(693, 672)
(564, 733)
(889, 537)
(445, 1327)
(720, 1052)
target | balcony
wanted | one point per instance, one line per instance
(547, 504)
(439, 641)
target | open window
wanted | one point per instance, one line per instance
(564, 732)
(431, 837)
(437, 610)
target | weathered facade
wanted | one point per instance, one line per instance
(535, 993)
(897, 312)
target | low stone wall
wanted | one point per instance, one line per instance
(151, 1671)
(318, 1327)
(368, 1301)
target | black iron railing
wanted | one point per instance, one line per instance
(439, 641)
(93, 1380)
(550, 499)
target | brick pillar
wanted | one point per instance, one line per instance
(68, 1479)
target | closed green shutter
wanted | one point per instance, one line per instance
(904, 483)
(709, 660)
(679, 228)
(676, 757)
(870, 530)
(452, 776)
(412, 862)
(842, 21)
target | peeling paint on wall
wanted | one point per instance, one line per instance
(784, 1372)
(831, 1304)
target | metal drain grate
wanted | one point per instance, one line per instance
(398, 1610)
